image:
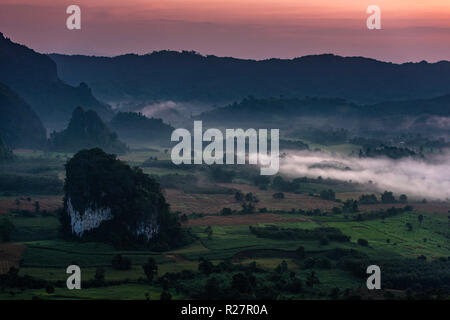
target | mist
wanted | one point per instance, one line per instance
(416, 178)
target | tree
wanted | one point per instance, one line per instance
(249, 197)
(261, 180)
(278, 195)
(248, 208)
(327, 194)
(165, 295)
(209, 232)
(241, 283)
(323, 241)
(226, 212)
(312, 279)
(150, 268)
(387, 197)
(6, 229)
(363, 242)
(50, 289)
(300, 252)
(420, 218)
(121, 263)
(37, 207)
(205, 266)
(212, 288)
(282, 267)
(99, 274)
(350, 205)
(403, 198)
(239, 196)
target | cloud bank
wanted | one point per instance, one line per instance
(415, 177)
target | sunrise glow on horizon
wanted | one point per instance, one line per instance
(411, 30)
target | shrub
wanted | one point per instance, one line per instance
(363, 242)
(121, 263)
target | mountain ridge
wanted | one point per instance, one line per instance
(34, 76)
(184, 76)
(20, 126)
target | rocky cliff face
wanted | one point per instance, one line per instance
(92, 218)
(88, 220)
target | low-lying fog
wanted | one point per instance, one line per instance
(414, 177)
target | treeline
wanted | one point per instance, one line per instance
(416, 274)
(275, 232)
(324, 136)
(26, 184)
(386, 151)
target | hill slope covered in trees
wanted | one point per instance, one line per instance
(188, 76)
(20, 127)
(34, 77)
(86, 130)
(132, 126)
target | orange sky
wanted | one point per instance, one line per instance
(412, 30)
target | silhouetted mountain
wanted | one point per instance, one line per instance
(323, 106)
(20, 127)
(85, 131)
(107, 200)
(34, 77)
(188, 76)
(132, 126)
(256, 109)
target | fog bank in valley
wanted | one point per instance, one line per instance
(428, 178)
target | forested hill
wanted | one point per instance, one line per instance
(187, 76)
(20, 127)
(85, 131)
(34, 77)
(132, 126)
(272, 108)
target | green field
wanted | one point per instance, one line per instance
(396, 238)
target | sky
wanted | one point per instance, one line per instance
(411, 30)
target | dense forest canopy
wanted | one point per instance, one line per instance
(95, 179)
(132, 126)
(188, 76)
(34, 77)
(20, 127)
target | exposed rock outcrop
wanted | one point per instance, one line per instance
(107, 200)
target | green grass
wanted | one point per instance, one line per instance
(36, 227)
(120, 292)
(403, 242)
